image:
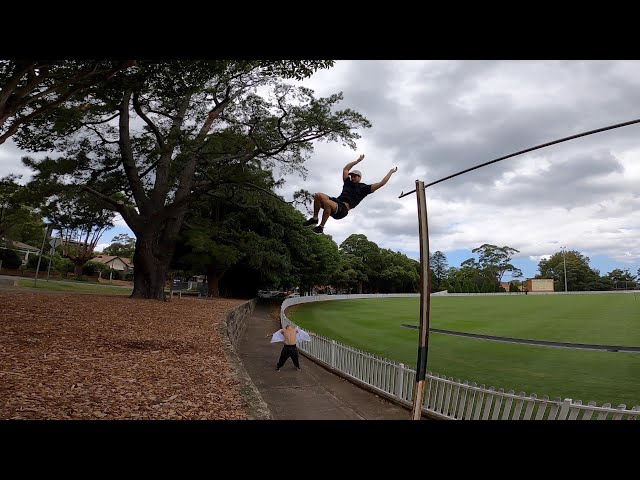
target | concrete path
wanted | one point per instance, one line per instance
(313, 393)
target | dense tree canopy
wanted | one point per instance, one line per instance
(580, 276)
(30, 88)
(167, 133)
(121, 246)
(20, 217)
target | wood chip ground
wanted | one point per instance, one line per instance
(65, 356)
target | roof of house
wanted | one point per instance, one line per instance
(17, 245)
(109, 258)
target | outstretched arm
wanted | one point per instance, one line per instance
(349, 166)
(377, 185)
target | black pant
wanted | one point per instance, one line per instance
(289, 351)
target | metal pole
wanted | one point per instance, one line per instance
(425, 301)
(402, 194)
(49, 268)
(564, 261)
(46, 233)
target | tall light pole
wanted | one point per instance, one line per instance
(564, 261)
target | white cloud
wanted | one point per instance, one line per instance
(435, 118)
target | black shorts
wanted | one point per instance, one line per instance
(342, 210)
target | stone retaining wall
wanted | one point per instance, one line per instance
(234, 325)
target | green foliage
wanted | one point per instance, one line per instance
(79, 216)
(33, 87)
(63, 265)
(91, 269)
(19, 217)
(245, 229)
(112, 274)
(10, 259)
(494, 261)
(438, 265)
(620, 278)
(122, 246)
(203, 124)
(32, 263)
(397, 273)
(580, 277)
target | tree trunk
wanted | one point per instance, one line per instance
(213, 281)
(78, 269)
(151, 268)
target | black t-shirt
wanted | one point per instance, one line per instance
(353, 193)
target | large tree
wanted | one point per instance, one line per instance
(80, 219)
(121, 246)
(167, 133)
(579, 275)
(399, 273)
(368, 252)
(439, 266)
(20, 220)
(495, 261)
(621, 278)
(238, 224)
(30, 88)
(349, 274)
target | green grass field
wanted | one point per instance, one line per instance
(375, 325)
(78, 287)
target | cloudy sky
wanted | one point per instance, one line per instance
(435, 118)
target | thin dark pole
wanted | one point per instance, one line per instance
(525, 151)
(425, 302)
(44, 239)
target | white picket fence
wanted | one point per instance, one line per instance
(445, 398)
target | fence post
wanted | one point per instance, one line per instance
(333, 353)
(564, 409)
(400, 380)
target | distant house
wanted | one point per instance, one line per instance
(121, 264)
(20, 248)
(539, 285)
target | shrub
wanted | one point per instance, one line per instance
(10, 259)
(91, 269)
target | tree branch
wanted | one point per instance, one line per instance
(12, 82)
(102, 121)
(126, 152)
(161, 186)
(59, 83)
(147, 120)
(100, 135)
(118, 204)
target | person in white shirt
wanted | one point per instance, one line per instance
(290, 335)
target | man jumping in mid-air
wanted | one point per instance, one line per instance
(353, 191)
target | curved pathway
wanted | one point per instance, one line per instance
(310, 394)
